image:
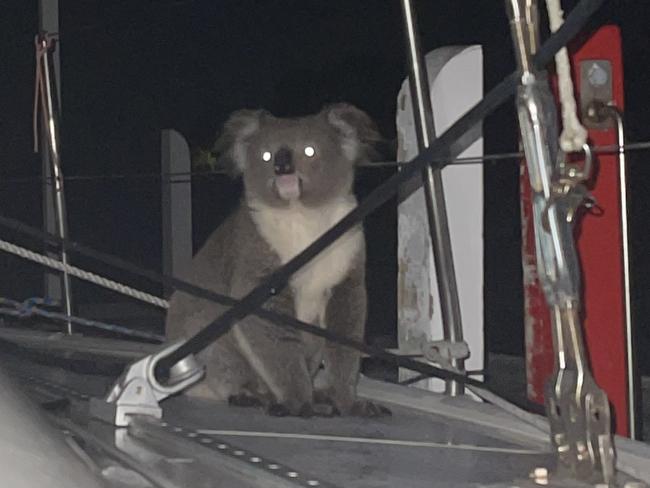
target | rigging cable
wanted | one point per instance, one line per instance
(32, 307)
(280, 320)
(451, 143)
(173, 178)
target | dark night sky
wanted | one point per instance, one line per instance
(132, 68)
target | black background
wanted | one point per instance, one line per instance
(132, 68)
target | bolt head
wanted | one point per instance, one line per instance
(540, 475)
(596, 75)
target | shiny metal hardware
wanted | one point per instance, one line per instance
(46, 96)
(434, 196)
(596, 91)
(578, 409)
(445, 353)
(138, 391)
(611, 112)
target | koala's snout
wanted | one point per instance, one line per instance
(283, 162)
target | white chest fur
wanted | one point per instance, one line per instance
(290, 230)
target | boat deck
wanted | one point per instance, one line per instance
(414, 447)
(429, 441)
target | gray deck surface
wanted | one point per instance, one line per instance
(371, 465)
(455, 462)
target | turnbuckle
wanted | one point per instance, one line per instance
(578, 410)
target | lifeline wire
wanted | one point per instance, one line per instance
(280, 320)
(453, 141)
(31, 307)
(450, 142)
(174, 177)
(441, 148)
(277, 319)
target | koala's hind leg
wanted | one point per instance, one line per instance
(227, 372)
(346, 316)
(228, 377)
(276, 356)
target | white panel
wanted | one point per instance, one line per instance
(456, 79)
(176, 204)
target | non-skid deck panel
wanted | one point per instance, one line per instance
(403, 424)
(350, 464)
(366, 465)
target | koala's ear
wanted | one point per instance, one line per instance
(358, 131)
(230, 146)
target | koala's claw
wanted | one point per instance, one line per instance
(358, 408)
(278, 410)
(244, 400)
(307, 410)
(326, 410)
(364, 408)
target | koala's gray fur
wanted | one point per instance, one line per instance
(298, 175)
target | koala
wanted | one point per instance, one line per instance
(298, 176)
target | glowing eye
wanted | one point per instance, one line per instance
(310, 151)
(266, 156)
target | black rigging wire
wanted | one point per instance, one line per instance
(451, 143)
(438, 155)
(280, 320)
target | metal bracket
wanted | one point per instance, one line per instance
(138, 391)
(596, 88)
(445, 353)
(442, 353)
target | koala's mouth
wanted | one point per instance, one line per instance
(288, 187)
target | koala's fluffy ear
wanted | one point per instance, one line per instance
(360, 134)
(230, 146)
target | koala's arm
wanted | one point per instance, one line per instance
(346, 316)
(275, 353)
(211, 268)
(187, 315)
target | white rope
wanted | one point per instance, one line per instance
(83, 275)
(574, 135)
(364, 440)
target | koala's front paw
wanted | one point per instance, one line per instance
(348, 406)
(244, 400)
(339, 405)
(278, 410)
(305, 410)
(365, 408)
(325, 410)
(283, 410)
(326, 397)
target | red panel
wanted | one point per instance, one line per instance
(600, 251)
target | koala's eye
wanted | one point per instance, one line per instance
(310, 151)
(266, 156)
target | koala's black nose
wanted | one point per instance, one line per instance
(283, 162)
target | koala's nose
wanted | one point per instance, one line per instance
(283, 162)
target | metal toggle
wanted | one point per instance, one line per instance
(445, 353)
(138, 391)
(568, 188)
(577, 408)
